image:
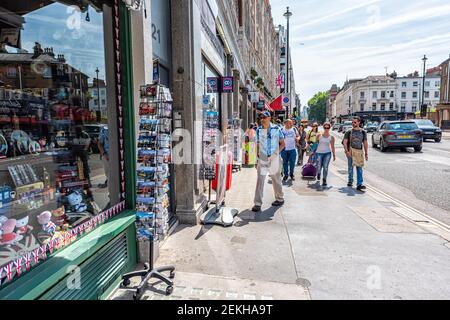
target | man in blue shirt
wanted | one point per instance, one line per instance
(270, 142)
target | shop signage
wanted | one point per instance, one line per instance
(227, 84)
(206, 100)
(213, 85)
(160, 32)
(261, 105)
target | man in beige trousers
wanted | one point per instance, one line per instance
(270, 142)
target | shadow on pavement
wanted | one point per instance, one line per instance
(350, 192)
(249, 216)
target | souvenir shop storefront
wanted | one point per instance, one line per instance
(67, 149)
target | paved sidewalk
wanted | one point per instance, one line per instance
(331, 243)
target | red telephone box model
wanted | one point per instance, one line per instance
(229, 172)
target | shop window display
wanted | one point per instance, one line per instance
(54, 141)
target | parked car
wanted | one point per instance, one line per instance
(346, 126)
(398, 134)
(371, 127)
(430, 131)
(94, 131)
(337, 126)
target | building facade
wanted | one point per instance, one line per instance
(443, 108)
(290, 90)
(98, 97)
(409, 95)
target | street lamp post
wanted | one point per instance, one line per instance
(287, 15)
(422, 105)
(99, 113)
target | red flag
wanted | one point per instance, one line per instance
(277, 104)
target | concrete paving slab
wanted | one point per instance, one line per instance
(384, 220)
(191, 286)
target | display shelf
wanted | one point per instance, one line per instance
(154, 157)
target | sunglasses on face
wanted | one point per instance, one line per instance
(327, 128)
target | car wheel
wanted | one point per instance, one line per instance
(382, 146)
(374, 145)
(418, 149)
(438, 140)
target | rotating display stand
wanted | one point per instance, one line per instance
(153, 183)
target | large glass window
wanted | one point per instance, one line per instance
(55, 146)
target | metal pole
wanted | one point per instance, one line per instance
(99, 117)
(423, 82)
(288, 15)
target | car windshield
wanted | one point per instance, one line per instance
(402, 126)
(425, 123)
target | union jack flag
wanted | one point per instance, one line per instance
(50, 246)
(18, 265)
(27, 259)
(8, 270)
(44, 251)
(280, 81)
(36, 255)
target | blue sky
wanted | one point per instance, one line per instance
(68, 32)
(357, 38)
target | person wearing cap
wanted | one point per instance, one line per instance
(269, 143)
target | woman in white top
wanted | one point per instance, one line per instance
(325, 150)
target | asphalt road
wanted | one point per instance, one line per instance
(421, 180)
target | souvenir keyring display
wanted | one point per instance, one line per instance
(3, 147)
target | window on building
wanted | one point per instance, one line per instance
(361, 107)
(437, 84)
(415, 95)
(50, 167)
(391, 106)
(403, 107)
(362, 94)
(374, 107)
(436, 94)
(391, 94)
(383, 106)
(414, 106)
(415, 84)
(403, 95)
(103, 102)
(11, 72)
(383, 94)
(427, 84)
(375, 94)
(404, 84)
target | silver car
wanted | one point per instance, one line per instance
(398, 134)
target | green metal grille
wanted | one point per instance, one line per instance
(97, 274)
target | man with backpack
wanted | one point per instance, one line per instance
(269, 143)
(357, 150)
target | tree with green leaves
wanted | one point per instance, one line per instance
(318, 107)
